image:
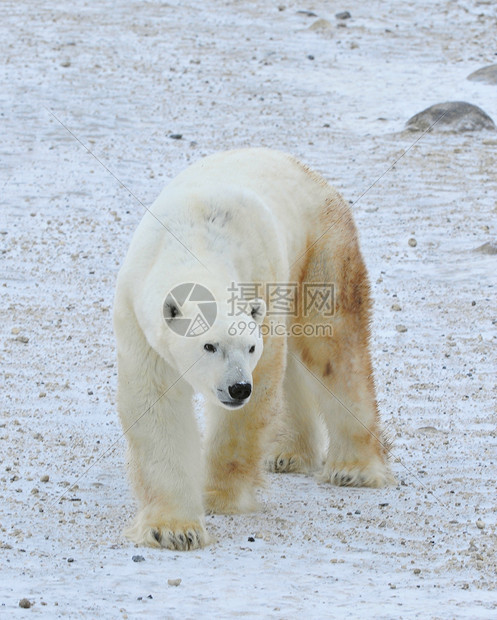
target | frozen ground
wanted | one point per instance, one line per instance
(122, 76)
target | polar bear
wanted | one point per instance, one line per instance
(248, 221)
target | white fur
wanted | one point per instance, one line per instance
(241, 216)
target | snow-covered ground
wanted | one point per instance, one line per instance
(118, 77)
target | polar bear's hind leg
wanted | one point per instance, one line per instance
(339, 359)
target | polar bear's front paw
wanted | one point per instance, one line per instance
(169, 534)
(374, 475)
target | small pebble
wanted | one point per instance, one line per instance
(396, 307)
(416, 571)
(25, 603)
(176, 136)
(173, 582)
(23, 339)
(138, 558)
(251, 539)
(480, 525)
(70, 560)
(401, 328)
(412, 242)
(45, 478)
(343, 15)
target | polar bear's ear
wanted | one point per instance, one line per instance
(257, 310)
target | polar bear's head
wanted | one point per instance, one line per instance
(219, 361)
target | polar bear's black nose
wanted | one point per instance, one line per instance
(240, 391)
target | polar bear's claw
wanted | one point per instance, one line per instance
(178, 541)
(287, 463)
(169, 536)
(156, 534)
(343, 479)
(374, 474)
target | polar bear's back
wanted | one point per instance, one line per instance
(259, 209)
(274, 176)
(301, 202)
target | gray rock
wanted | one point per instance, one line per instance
(343, 15)
(321, 25)
(429, 429)
(488, 75)
(487, 248)
(453, 116)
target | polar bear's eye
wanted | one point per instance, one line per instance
(252, 348)
(210, 347)
(170, 310)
